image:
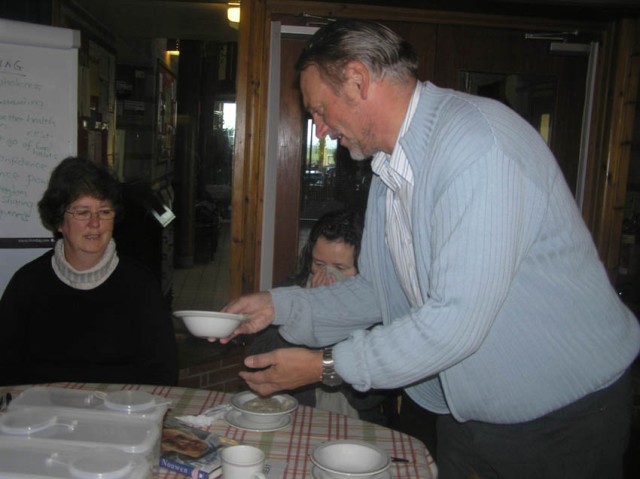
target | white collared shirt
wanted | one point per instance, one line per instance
(396, 173)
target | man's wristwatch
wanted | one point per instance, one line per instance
(329, 375)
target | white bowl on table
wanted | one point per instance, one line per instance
(210, 324)
(263, 410)
(343, 459)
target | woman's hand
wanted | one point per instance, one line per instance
(321, 278)
(257, 307)
(286, 369)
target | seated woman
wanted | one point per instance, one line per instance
(330, 255)
(80, 312)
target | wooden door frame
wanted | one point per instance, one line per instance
(610, 149)
(252, 88)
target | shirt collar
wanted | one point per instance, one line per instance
(388, 167)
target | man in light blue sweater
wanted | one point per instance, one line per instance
(496, 311)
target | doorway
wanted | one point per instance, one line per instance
(545, 86)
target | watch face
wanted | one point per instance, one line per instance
(329, 375)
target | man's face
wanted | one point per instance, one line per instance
(337, 115)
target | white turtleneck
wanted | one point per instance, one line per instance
(89, 278)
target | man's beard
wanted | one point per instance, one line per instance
(357, 151)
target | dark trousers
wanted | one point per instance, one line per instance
(584, 440)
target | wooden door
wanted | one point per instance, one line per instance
(546, 89)
(289, 163)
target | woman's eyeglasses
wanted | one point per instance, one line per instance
(105, 214)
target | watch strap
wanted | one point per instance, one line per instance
(329, 375)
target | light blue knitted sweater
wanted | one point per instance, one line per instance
(519, 318)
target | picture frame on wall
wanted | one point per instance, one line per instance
(166, 115)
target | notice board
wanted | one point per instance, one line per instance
(38, 128)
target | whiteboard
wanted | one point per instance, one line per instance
(38, 128)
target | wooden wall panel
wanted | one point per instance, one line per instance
(290, 159)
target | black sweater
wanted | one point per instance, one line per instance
(118, 332)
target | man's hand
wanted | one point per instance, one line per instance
(257, 307)
(286, 369)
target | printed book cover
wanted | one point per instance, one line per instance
(191, 451)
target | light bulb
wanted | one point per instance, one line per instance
(233, 14)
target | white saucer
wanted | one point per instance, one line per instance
(318, 473)
(236, 419)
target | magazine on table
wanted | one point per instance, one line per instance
(191, 451)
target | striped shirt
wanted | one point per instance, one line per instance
(396, 173)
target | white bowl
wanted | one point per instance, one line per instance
(210, 324)
(350, 458)
(318, 473)
(263, 410)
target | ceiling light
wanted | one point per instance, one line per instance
(233, 12)
(173, 46)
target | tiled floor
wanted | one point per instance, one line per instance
(205, 286)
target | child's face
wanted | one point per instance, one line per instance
(337, 254)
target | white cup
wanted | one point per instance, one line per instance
(242, 462)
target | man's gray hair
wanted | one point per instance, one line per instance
(379, 48)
